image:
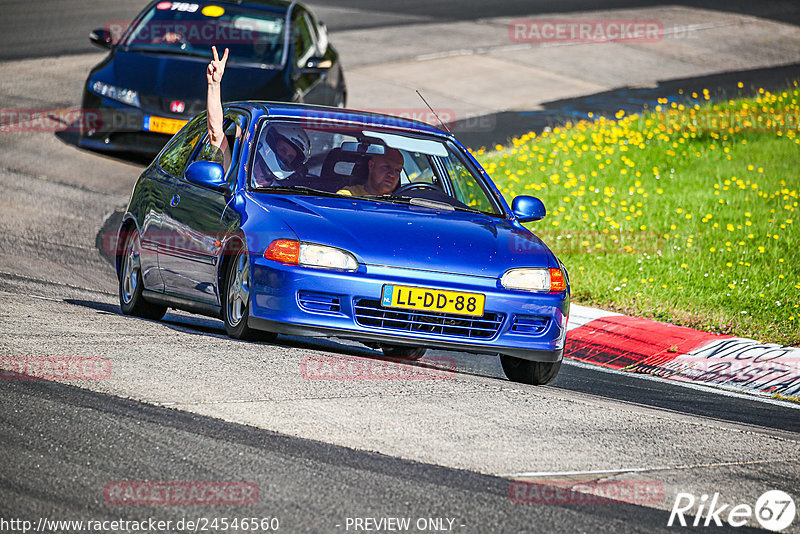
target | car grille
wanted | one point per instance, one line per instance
(319, 302)
(369, 312)
(529, 324)
(162, 106)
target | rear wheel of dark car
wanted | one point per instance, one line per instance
(528, 372)
(403, 352)
(130, 281)
(236, 300)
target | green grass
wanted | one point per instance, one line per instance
(687, 214)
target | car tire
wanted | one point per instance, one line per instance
(236, 300)
(130, 281)
(403, 352)
(528, 372)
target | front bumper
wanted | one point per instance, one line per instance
(114, 126)
(295, 300)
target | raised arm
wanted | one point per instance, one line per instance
(214, 101)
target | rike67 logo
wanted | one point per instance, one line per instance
(774, 510)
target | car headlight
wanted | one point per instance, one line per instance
(126, 96)
(326, 257)
(534, 279)
(310, 255)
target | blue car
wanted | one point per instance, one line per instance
(330, 222)
(153, 79)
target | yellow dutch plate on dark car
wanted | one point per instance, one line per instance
(163, 125)
(418, 298)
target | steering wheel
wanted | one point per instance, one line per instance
(412, 186)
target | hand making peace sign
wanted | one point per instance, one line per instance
(217, 67)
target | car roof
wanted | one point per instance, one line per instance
(307, 111)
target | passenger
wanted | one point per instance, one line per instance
(216, 134)
(384, 175)
(281, 156)
(282, 151)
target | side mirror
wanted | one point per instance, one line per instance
(317, 64)
(528, 209)
(208, 174)
(101, 38)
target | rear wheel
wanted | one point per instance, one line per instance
(130, 281)
(236, 302)
(403, 352)
(528, 372)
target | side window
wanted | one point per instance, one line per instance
(304, 47)
(234, 125)
(466, 189)
(176, 156)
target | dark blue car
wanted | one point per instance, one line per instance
(330, 222)
(153, 79)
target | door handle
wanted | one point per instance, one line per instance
(176, 199)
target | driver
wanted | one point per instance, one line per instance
(281, 156)
(384, 175)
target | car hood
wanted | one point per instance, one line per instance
(413, 237)
(183, 77)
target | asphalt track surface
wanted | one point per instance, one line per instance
(60, 443)
(309, 486)
(55, 27)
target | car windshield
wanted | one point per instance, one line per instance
(367, 162)
(192, 28)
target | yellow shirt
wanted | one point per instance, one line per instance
(353, 190)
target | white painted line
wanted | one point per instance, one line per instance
(534, 474)
(450, 53)
(575, 473)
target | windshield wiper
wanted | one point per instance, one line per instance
(433, 204)
(436, 204)
(301, 189)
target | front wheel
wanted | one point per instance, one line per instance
(236, 305)
(528, 372)
(130, 281)
(402, 352)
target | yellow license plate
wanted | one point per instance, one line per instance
(418, 298)
(163, 125)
